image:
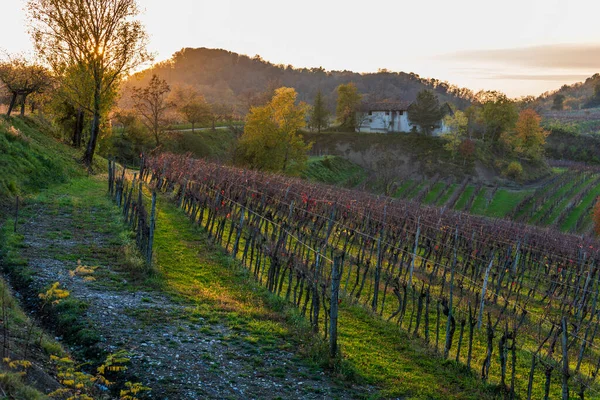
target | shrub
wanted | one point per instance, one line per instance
(514, 170)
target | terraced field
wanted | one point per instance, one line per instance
(564, 200)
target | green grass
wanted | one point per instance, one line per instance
(434, 192)
(480, 202)
(586, 202)
(333, 170)
(216, 144)
(30, 159)
(461, 203)
(551, 200)
(449, 191)
(415, 191)
(401, 191)
(557, 210)
(504, 201)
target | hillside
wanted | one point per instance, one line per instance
(575, 96)
(195, 326)
(224, 76)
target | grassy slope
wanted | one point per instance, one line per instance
(31, 160)
(334, 170)
(216, 144)
(428, 151)
(504, 201)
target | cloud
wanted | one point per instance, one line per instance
(542, 77)
(555, 56)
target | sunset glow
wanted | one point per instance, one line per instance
(520, 47)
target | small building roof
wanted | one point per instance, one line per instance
(385, 106)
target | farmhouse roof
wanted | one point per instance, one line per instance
(385, 106)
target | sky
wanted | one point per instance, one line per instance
(521, 47)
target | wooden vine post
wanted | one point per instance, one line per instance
(450, 300)
(483, 290)
(565, 359)
(151, 232)
(412, 264)
(336, 275)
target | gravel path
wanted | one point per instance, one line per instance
(176, 351)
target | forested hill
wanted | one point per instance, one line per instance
(227, 77)
(576, 96)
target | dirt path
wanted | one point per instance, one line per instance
(180, 350)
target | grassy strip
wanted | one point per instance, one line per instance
(406, 185)
(195, 271)
(434, 192)
(588, 199)
(464, 198)
(557, 210)
(505, 201)
(333, 170)
(480, 202)
(415, 191)
(447, 194)
(550, 202)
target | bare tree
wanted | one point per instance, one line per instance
(22, 78)
(100, 38)
(220, 112)
(152, 104)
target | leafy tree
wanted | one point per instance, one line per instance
(594, 101)
(129, 138)
(514, 170)
(499, 115)
(458, 125)
(425, 112)
(558, 102)
(196, 112)
(102, 38)
(348, 101)
(151, 103)
(73, 100)
(23, 78)
(270, 140)
(528, 137)
(319, 115)
(466, 149)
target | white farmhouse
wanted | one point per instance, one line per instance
(389, 116)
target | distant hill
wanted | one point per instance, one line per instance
(575, 96)
(226, 77)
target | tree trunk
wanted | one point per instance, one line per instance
(78, 130)
(23, 97)
(88, 157)
(13, 100)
